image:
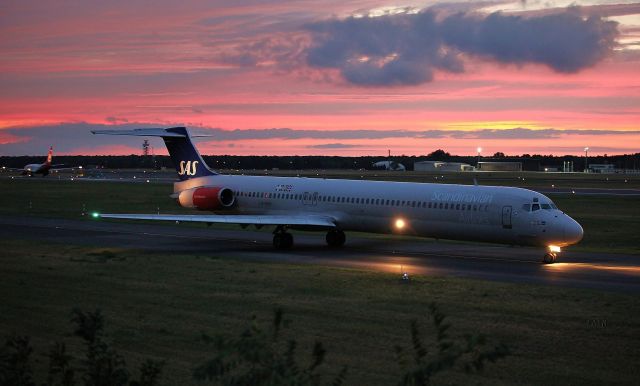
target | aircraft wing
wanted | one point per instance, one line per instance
(292, 220)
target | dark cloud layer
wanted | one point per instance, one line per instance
(73, 136)
(405, 49)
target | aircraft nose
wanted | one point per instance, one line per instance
(573, 231)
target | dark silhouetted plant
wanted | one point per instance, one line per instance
(101, 365)
(258, 357)
(15, 362)
(419, 365)
(149, 373)
(60, 371)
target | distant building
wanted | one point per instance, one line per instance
(389, 165)
(430, 166)
(500, 166)
(602, 168)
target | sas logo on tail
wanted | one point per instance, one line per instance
(188, 168)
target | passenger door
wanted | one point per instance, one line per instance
(506, 217)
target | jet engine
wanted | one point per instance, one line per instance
(207, 198)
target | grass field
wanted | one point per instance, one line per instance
(158, 305)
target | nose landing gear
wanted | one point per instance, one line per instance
(550, 257)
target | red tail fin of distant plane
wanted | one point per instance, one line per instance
(50, 155)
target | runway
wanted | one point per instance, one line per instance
(415, 256)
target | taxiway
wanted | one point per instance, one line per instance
(389, 254)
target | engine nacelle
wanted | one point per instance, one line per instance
(207, 198)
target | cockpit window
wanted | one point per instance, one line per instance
(535, 207)
(546, 206)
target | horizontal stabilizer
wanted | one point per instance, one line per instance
(155, 132)
(151, 132)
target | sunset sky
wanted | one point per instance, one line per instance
(322, 77)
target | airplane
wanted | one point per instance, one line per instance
(44, 168)
(505, 215)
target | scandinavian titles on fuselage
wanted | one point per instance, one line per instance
(462, 197)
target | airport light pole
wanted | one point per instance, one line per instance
(478, 162)
(586, 160)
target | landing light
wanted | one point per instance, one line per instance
(554, 248)
(400, 223)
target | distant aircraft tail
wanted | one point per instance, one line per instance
(185, 157)
(49, 156)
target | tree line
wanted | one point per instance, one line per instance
(535, 162)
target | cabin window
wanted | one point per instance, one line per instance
(457, 206)
(366, 201)
(440, 206)
(475, 208)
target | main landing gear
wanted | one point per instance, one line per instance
(282, 239)
(335, 238)
(550, 257)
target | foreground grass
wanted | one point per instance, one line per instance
(157, 306)
(610, 222)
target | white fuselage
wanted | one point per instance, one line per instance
(461, 212)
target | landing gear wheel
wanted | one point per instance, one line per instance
(335, 238)
(549, 258)
(282, 239)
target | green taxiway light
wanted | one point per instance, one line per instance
(95, 214)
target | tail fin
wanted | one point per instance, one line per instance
(49, 156)
(185, 157)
